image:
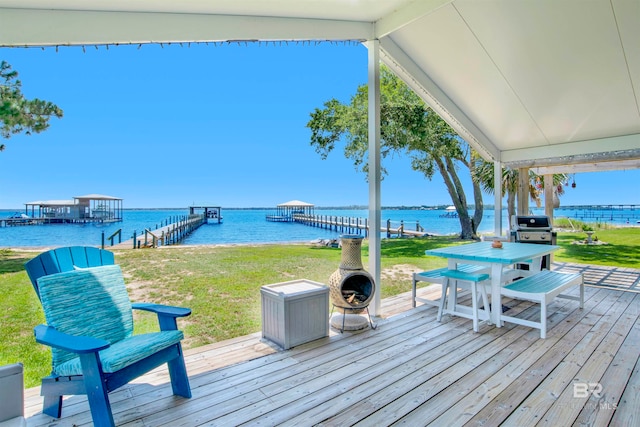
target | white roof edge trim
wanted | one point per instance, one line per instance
(64, 27)
(592, 166)
(53, 203)
(97, 197)
(603, 149)
(296, 203)
(433, 96)
(406, 15)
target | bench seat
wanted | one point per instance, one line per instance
(476, 281)
(542, 288)
(436, 277)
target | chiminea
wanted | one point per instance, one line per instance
(351, 288)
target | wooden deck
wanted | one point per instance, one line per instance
(411, 370)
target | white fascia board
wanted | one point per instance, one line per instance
(432, 95)
(603, 149)
(599, 166)
(34, 27)
(406, 15)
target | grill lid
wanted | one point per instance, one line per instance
(535, 222)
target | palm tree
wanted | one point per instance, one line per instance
(483, 173)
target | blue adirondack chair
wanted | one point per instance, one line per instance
(90, 330)
(66, 259)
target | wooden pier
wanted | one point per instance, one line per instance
(352, 225)
(603, 213)
(19, 222)
(171, 234)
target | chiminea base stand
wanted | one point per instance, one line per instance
(355, 325)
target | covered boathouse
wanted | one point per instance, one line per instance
(286, 211)
(89, 208)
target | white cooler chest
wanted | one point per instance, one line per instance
(295, 312)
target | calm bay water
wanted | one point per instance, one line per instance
(250, 226)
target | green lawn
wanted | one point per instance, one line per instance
(222, 284)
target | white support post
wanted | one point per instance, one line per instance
(523, 191)
(375, 215)
(497, 191)
(548, 204)
(548, 197)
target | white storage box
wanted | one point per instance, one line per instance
(295, 312)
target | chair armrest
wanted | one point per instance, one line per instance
(76, 344)
(164, 310)
(166, 314)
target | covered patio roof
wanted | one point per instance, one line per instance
(527, 83)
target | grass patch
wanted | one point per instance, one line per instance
(622, 247)
(222, 284)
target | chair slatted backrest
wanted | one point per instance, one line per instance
(87, 302)
(66, 259)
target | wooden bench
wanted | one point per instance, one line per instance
(542, 288)
(476, 281)
(435, 276)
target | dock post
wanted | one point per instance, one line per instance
(388, 228)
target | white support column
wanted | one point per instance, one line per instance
(548, 196)
(497, 191)
(548, 204)
(523, 191)
(375, 215)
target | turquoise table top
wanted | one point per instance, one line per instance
(510, 253)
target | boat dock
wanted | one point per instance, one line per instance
(175, 230)
(303, 213)
(16, 222)
(351, 225)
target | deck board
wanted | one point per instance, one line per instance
(411, 370)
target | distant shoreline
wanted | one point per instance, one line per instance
(632, 206)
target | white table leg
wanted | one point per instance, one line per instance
(453, 288)
(536, 265)
(496, 297)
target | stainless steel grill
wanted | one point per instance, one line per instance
(534, 229)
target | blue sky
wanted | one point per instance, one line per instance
(209, 124)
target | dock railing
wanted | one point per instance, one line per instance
(117, 233)
(353, 225)
(170, 231)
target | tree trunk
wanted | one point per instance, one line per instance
(479, 204)
(456, 191)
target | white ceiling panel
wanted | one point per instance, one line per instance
(447, 50)
(563, 60)
(526, 81)
(627, 15)
(21, 27)
(350, 10)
